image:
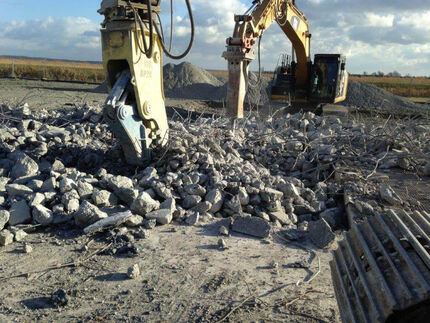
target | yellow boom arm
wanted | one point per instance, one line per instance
(249, 27)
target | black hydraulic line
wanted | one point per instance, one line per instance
(190, 45)
(171, 26)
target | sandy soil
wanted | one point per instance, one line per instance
(184, 278)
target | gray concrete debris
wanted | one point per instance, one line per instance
(85, 190)
(19, 213)
(252, 226)
(222, 244)
(4, 218)
(24, 166)
(223, 231)
(193, 219)
(162, 216)
(270, 195)
(88, 214)
(18, 190)
(66, 185)
(20, 235)
(215, 197)
(333, 217)
(191, 201)
(169, 204)
(42, 215)
(49, 184)
(28, 248)
(6, 238)
(144, 204)
(389, 196)
(59, 298)
(281, 216)
(133, 272)
(127, 195)
(109, 222)
(104, 198)
(134, 221)
(117, 182)
(321, 234)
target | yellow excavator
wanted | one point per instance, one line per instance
(325, 80)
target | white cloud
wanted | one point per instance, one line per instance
(375, 20)
(375, 35)
(70, 38)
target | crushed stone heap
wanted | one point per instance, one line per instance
(64, 166)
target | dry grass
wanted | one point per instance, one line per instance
(51, 63)
(52, 70)
(403, 86)
(418, 87)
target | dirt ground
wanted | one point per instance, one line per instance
(184, 276)
(55, 95)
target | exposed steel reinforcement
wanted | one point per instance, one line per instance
(381, 269)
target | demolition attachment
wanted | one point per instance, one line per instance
(132, 58)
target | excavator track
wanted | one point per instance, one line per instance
(381, 269)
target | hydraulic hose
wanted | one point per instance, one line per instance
(190, 45)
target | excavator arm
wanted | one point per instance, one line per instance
(248, 29)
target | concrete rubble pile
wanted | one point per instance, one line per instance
(64, 166)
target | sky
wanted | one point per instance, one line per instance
(384, 35)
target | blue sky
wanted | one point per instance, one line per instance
(375, 35)
(32, 9)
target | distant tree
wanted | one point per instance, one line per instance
(365, 73)
(394, 74)
(380, 73)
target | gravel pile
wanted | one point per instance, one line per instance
(188, 81)
(364, 95)
(64, 166)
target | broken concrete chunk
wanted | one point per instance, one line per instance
(108, 222)
(20, 235)
(270, 195)
(104, 198)
(215, 197)
(42, 215)
(6, 238)
(252, 226)
(19, 213)
(117, 182)
(144, 204)
(133, 272)
(24, 166)
(191, 201)
(321, 234)
(4, 218)
(162, 216)
(388, 195)
(134, 221)
(88, 214)
(18, 190)
(193, 219)
(281, 216)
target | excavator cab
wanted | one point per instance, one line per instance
(329, 79)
